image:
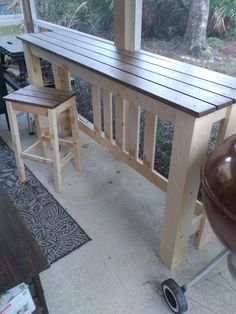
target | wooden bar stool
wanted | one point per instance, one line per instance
(44, 102)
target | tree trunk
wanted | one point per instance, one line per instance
(194, 41)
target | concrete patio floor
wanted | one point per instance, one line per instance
(119, 272)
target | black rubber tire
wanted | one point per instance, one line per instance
(174, 296)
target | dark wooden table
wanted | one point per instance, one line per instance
(12, 47)
(21, 259)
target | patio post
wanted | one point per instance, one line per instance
(128, 28)
(28, 10)
(128, 24)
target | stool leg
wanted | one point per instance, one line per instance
(52, 119)
(75, 132)
(16, 141)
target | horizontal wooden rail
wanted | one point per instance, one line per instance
(36, 158)
(15, 19)
(55, 27)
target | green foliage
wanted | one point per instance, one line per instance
(165, 131)
(102, 13)
(89, 16)
(61, 12)
(83, 97)
(75, 14)
(176, 39)
(223, 16)
(168, 18)
(226, 68)
(10, 30)
(9, 7)
(14, 7)
(165, 18)
(50, 10)
(215, 42)
(231, 33)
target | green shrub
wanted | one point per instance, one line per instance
(12, 29)
(215, 42)
(231, 33)
(223, 17)
(165, 18)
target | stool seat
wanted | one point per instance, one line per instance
(40, 96)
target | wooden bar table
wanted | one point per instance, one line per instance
(190, 97)
(21, 259)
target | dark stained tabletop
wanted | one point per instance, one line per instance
(20, 256)
(186, 87)
(12, 46)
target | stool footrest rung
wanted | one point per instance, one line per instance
(66, 143)
(62, 142)
(68, 157)
(36, 158)
(33, 146)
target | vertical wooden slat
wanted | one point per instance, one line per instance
(150, 131)
(35, 77)
(119, 113)
(96, 103)
(134, 122)
(33, 66)
(107, 114)
(126, 125)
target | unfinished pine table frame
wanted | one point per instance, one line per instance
(190, 97)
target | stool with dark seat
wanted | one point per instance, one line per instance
(45, 103)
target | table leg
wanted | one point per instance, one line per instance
(62, 81)
(2, 59)
(23, 77)
(189, 150)
(3, 91)
(33, 66)
(227, 125)
(40, 293)
(23, 72)
(35, 77)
